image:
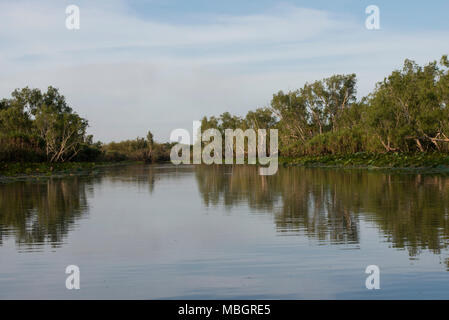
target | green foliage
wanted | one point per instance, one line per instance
(137, 150)
(408, 112)
(40, 126)
(39, 169)
(439, 161)
(36, 126)
(343, 141)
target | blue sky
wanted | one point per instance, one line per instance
(398, 14)
(160, 64)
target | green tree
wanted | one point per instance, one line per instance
(261, 118)
(150, 142)
(63, 133)
(406, 110)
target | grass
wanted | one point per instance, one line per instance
(368, 160)
(43, 169)
(433, 161)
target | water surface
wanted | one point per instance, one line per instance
(219, 232)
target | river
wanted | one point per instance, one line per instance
(225, 232)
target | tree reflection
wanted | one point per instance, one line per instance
(328, 205)
(37, 213)
(412, 211)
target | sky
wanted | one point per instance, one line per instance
(158, 65)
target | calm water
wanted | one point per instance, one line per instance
(151, 232)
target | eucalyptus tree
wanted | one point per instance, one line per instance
(407, 110)
(46, 117)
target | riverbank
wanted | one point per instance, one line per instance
(24, 170)
(432, 162)
(425, 162)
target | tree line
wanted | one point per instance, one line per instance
(38, 126)
(407, 112)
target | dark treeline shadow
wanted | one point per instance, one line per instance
(329, 205)
(146, 176)
(410, 210)
(40, 213)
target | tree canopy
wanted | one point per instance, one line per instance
(407, 112)
(42, 122)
